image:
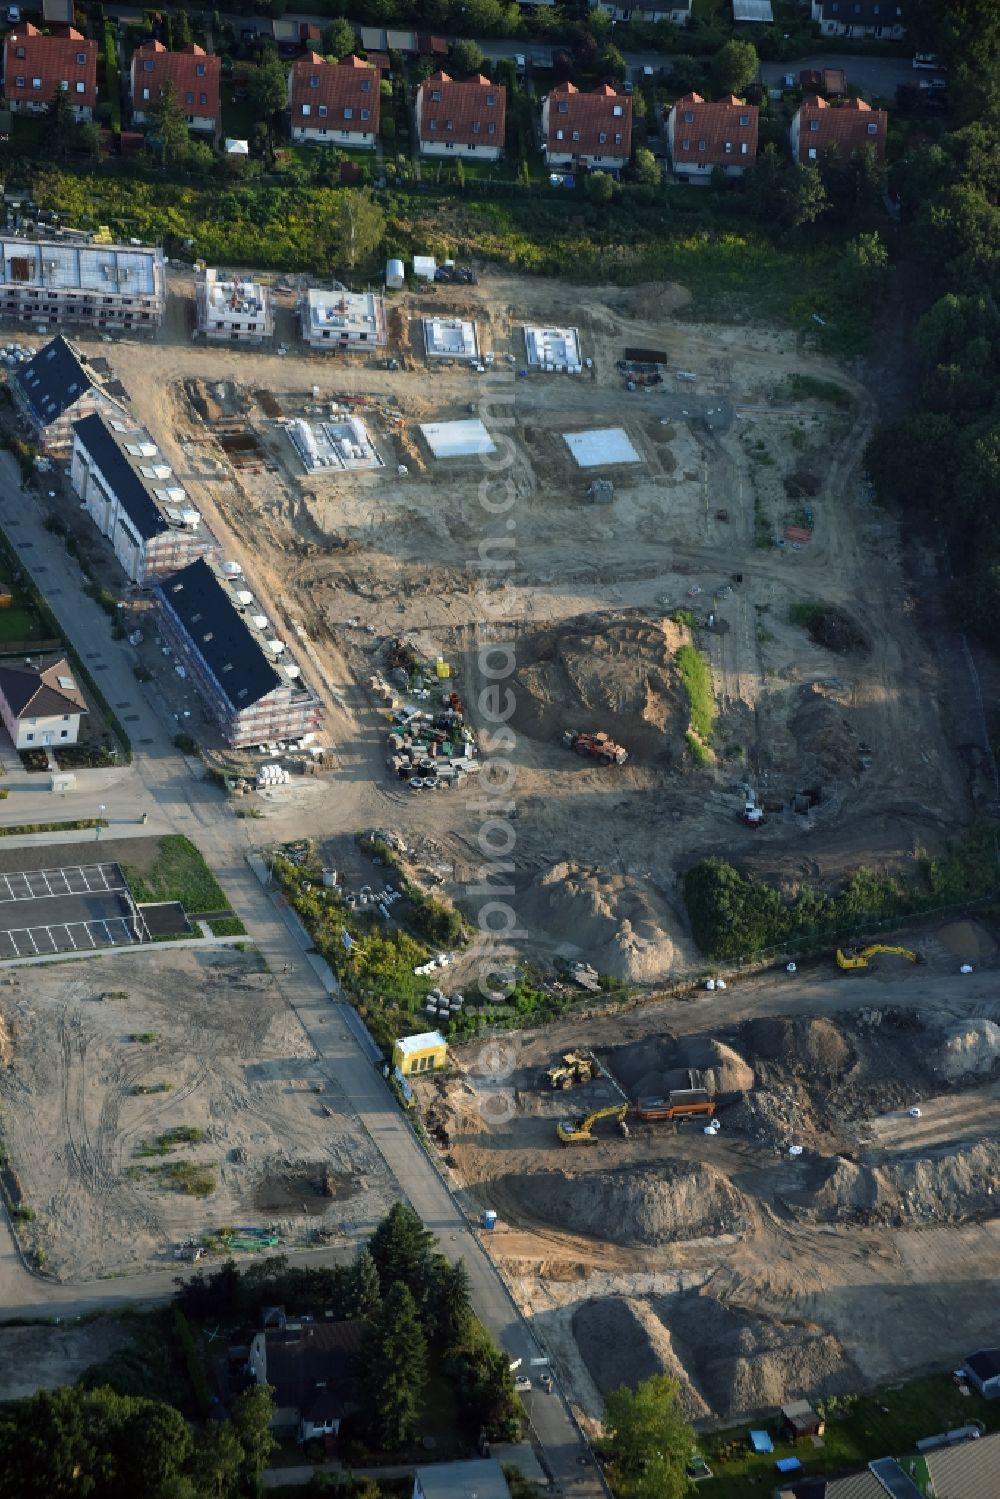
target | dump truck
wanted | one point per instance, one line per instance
(578, 1131)
(682, 1103)
(596, 746)
(859, 957)
(572, 1068)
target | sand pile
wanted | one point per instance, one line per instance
(620, 923)
(968, 941)
(648, 1068)
(679, 1200)
(814, 1045)
(826, 738)
(726, 1071)
(951, 1184)
(732, 1362)
(970, 1046)
(600, 672)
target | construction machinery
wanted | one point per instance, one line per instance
(573, 1067)
(596, 746)
(683, 1103)
(578, 1131)
(858, 957)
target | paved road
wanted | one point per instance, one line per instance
(162, 782)
(875, 77)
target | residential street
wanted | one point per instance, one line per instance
(161, 782)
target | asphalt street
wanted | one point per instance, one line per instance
(162, 783)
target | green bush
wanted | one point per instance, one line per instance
(696, 675)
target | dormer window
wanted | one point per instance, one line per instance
(814, 125)
(744, 119)
(147, 66)
(689, 117)
(314, 81)
(873, 128)
(81, 59)
(366, 85)
(436, 95)
(491, 101)
(199, 69)
(616, 109)
(20, 52)
(563, 107)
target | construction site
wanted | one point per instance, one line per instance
(694, 493)
(159, 1107)
(776, 1190)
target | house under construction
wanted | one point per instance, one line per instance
(231, 309)
(51, 284)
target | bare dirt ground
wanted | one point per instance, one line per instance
(857, 728)
(750, 1273)
(43, 1358)
(88, 1050)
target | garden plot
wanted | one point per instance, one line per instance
(156, 1099)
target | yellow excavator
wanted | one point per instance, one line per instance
(858, 957)
(578, 1131)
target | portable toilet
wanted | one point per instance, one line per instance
(395, 275)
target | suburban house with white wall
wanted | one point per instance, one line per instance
(342, 319)
(195, 75)
(231, 309)
(461, 119)
(40, 702)
(881, 20)
(37, 65)
(134, 498)
(648, 11)
(703, 136)
(334, 103)
(593, 129)
(845, 129)
(312, 1367)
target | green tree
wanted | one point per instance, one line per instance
(359, 227)
(864, 262)
(468, 58)
(155, 1449)
(646, 169)
(217, 1461)
(182, 30)
(60, 127)
(610, 62)
(395, 1361)
(365, 1290)
(451, 1304)
(401, 1247)
(688, 75)
(168, 126)
(649, 1441)
(339, 39)
(251, 1415)
(804, 196)
(486, 1392)
(600, 187)
(734, 66)
(89, 139)
(267, 87)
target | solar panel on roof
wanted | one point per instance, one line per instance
(892, 1478)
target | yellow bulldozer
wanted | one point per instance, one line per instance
(573, 1067)
(859, 957)
(578, 1131)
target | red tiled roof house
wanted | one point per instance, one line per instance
(818, 127)
(334, 104)
(35, 66)
(194, 74)
(461, 119)
(593, 130)
(701, 137)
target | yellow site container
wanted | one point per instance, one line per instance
(442, 668)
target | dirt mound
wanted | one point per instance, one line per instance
(731, 1362)
(621, 923)
(725, 1070)
(951, 1184)
(832, 628)
(968, 941)
(596, 673)
(654, 1066)
(827, 742)
(634, 1205)
(214, 400)
(813, 1045)
(970, 1046)
(634, 1063)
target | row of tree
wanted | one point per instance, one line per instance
(941, 462)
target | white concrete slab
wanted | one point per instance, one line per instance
(601, 446)
(466, 439)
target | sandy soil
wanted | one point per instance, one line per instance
(79, 1117)
(860, 724)
(43, 1358)
(752, 1274)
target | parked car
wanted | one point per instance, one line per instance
(522, 1384)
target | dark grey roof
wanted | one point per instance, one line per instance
(863, 12)
(985, 1363)
(38, 690)
(482, 1476)
(897, 1484)
(54, 379)
(132, 494)
(308, 1360)
(225, 642)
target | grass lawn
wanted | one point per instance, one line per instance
(238, 116)
(177, 872)
(19, 622)
(884, 1423)
(227, 926)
